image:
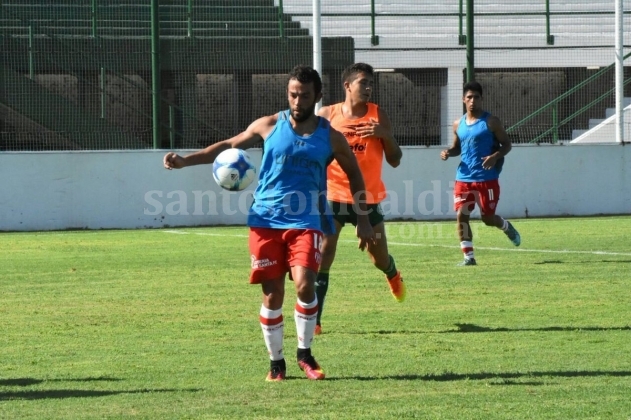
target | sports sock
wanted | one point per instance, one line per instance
(321, 287)
(391, 271)
(504, 225)
(467, 249)
(305, 316)
(272, 325)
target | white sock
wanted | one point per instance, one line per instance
(504, 225)
(272, 325)
(305, 315)
(467, 249)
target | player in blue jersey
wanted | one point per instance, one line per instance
(289, 214)
(482, 143)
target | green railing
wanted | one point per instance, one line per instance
(461, 15)
(553, 107)
(154, 90)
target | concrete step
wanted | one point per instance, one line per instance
(577, 133)
(435, 6)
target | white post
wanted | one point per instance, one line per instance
(451, 104)
(619, 72)
(317, 42)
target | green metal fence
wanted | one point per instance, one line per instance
(121, 74)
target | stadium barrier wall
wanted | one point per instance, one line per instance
(131, 189)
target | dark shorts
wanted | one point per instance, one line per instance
(344, 213)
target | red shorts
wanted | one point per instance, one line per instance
(274, 251)
(486, 194)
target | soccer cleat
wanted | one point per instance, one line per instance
(467, 261)
(513, 235)
(318, 330)
(277, 371)
(311, 368)
(397, 288)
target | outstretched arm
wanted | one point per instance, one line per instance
(254, 134)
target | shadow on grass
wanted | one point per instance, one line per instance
(582, 262)
(40, 394)
(77, 393)
(472, 328)
(33, 381)
(507, 378)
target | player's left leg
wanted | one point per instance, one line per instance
(381, 258)
(272, 325)
(303, 259)
(329, 248)
(489, 198)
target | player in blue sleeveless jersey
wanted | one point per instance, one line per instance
(289, 214)
(482, 143)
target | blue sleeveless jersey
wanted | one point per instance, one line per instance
(292, 180)
(476, 142)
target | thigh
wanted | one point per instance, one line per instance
(464, 197)
(341, 212)
(375, 214)
(268, 254)
(488, 196)
(304, 248)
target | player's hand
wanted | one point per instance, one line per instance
(444, 155)
(370, 129)
(488, 162)
(365, 233)
(173, 161)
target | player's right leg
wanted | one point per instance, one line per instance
(465, 198)
(466, 236)
(272, 325)
(268, 269)
(381, 258)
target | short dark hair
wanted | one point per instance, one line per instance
(306, 74)
(472, 86)
(348, 75)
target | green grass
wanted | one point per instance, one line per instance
(150, 324)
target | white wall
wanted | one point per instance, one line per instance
(130, 189)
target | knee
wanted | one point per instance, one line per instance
(305, 292)
(274, 300)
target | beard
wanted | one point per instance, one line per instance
(305, 113)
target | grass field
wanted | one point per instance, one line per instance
(162, 324)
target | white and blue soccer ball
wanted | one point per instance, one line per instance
(233, 170)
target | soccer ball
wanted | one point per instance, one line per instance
(233, 170)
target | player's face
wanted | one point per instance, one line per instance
(302, 100)
(361, 87)
(472, 101)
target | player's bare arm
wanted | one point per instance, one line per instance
(454, 150)
(496, 126)
(383, 129)
(254, 134)
(325, 112)
(347, 161)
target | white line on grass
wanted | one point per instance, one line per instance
(486, 248)
(180, 232)
(489, 248)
